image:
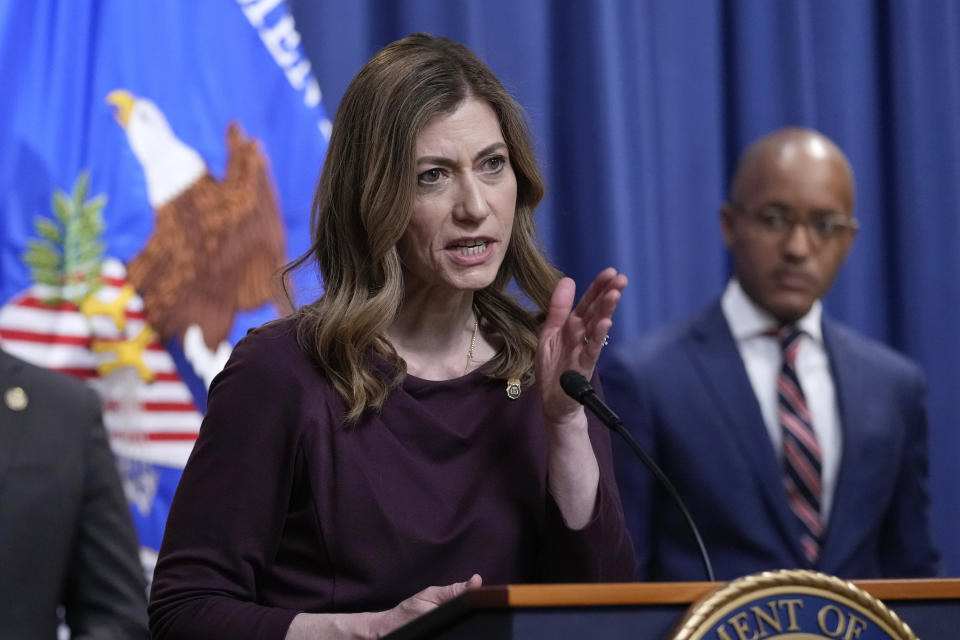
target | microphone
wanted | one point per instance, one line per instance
(577, 387)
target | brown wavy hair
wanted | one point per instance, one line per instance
(363, 204)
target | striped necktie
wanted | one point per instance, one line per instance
(801, 451)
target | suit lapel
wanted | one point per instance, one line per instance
(12, 425)
(852, 382)
(718, 360)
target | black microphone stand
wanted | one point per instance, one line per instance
(577, 387)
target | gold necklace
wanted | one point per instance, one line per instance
(473, 343)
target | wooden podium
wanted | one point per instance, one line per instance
(642, 611)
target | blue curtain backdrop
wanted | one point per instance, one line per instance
(641, 107)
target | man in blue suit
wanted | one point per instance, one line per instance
(795, 442)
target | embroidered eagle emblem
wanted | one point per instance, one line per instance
(217, 245)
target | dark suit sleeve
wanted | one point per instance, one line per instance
(105, 591)
(906, 542)
(624, 393)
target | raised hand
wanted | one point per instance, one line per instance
(572, 338)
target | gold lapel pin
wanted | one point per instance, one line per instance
(513, 388)
(15, 398)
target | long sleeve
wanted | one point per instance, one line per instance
(625, 395)
(105, 593)
(228, 513)
(282, 509)
(906, 548)
(601, 551)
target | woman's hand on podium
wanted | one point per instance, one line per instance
(416, 605)
(364, 626)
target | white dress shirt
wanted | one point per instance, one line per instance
(762, 358)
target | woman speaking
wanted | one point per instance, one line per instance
(404, 437)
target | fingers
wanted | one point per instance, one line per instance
(596, 335)
(384, 622)
(561, 302)
(606, 281)
(598, 286)
(573, 336)
(439, 595)
(596, 308)
(457, 588)
(603, 291)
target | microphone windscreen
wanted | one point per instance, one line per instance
(574, 384)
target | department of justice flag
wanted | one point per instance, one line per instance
(157, 162)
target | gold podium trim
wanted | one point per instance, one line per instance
(631, 593)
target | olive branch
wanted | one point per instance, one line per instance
(68, 254)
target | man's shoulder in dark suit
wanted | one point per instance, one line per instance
(651, 358)
(877, 354)
(684, 392)
(60, 388)
(66, 536)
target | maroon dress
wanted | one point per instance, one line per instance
(282, 510)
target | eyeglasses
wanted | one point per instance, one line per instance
(778, 221)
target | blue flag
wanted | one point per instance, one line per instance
(157, 163)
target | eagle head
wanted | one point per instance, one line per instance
(169, 165)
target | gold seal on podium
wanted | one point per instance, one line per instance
(791, 605)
